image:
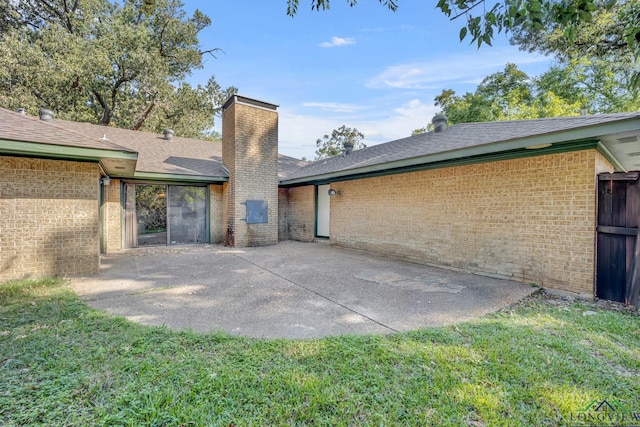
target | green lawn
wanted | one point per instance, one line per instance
(537, 364)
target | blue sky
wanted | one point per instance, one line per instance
(363, 67)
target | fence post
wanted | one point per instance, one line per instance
(633, 285)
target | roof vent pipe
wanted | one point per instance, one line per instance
(46, 115)
(22, 111)
(348, 148)
(168, 134)
(439, 123)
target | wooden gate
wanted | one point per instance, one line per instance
(618, 240)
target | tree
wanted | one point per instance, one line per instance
(509, 95)
(600, 56)
(602, 36)
(151, 207)
(564, 90)
(110, 62)
(567, 18)
(428, 128)
(292, 5)
(507, 90)
(532, 16)
(502, 95)
(510, 15)
(596, 85)
(335, 144)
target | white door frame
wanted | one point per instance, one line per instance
(323, 210)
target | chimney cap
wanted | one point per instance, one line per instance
(348, 148)
(45, 115)
(168, 134)
(248, 101)
(439, 122)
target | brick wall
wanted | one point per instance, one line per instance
(216, 214)
(603, 165)
(297, 213)
(48, 218)
(250, 153)
(229, 160)
(112, 217)
(530, 219)
(283, 214)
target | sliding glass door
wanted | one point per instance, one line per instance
(165, 215)
(187, 215)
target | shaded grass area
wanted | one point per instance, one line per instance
(63, 363)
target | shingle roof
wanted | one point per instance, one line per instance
(454, 138)
(288, 166)
(18, 127)
(192, 157)
(180, 156)
(183, 156)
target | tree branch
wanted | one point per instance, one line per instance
(165, 24)
(64, 17)
(210, 52)
(164, 27)
(467, 10)
(108, 112)
(145, 115)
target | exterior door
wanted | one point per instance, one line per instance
(618, 241)
(151, 215)
(158, 214)
(322, 211)
(187, 215)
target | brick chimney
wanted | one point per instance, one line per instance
(250, 153)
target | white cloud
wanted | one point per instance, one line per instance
(298, 132)
(446, 70)
(338, 41)
(398, 122)
(334, 107)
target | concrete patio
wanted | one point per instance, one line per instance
(292, 290)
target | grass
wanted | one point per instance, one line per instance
(63, 363)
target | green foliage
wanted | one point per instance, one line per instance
(428, 128)
(596, 28)
(151, 207)
(500, 96)
(597, 42)
(62, 363)
(603, 36)
(507, 90)
(485, 18)
(562, 91)
(607, 30)
(292, 5)
(108, 62)
(605, 49)
(512, 15)
(335, 144)
(597, 85)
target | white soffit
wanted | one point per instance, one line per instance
(625, 147)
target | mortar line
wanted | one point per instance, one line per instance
(318, 294)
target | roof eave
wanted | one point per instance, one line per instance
(510, 148)
(602, 149)
(63, 152)
(173, 177)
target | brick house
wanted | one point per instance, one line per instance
(510, 199)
